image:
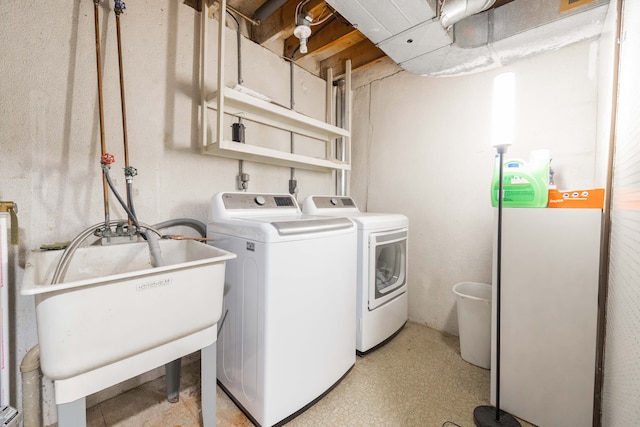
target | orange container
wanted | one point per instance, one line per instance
(593, 198)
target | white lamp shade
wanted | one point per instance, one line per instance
(503, 119)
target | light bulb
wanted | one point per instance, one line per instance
(503, 120)
(302, 32)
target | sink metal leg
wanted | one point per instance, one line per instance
(73, 414)
(208, 385)
(172, 375)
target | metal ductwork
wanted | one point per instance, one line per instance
(453, 11)
(413, 34)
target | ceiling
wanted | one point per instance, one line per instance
(330, 44)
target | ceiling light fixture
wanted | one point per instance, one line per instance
(303, 30)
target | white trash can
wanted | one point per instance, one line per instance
(474, 322)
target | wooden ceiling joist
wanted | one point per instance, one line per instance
(361, 55)
(281, 23)
(333, 32)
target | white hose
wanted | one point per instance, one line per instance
(31, 391)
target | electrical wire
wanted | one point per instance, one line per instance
(299, 9)
(450, 423)
(323, 20)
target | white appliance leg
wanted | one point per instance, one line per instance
(208, 385)
(73, 414)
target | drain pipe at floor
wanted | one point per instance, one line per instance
(31, 388)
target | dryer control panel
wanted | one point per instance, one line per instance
(318, 204)
(258, 201)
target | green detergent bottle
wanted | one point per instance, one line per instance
(524, 185)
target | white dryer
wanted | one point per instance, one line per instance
(289, 301)
(382, 302)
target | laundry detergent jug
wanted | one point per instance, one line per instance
(524, 185)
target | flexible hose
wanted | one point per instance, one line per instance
(63, 264)
(130, 197)
(154, 250)
(105, 170)
(199, 226)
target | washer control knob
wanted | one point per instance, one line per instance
(260, 200)
(333, 201)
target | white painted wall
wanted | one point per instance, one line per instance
(422, 147)
(49, 131)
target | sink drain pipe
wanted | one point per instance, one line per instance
(173, 369)
(31, 389)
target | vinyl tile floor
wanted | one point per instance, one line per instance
(417, 379)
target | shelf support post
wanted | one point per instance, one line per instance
(221, 56)
(203, 73)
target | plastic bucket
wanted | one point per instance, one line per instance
(474, 322)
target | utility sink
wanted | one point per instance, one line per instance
(114, 316)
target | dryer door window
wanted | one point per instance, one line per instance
(388, 269)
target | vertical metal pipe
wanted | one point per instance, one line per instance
(103, 147)
(292, 145)
(122, 97)
(501, 150)
(239, 47)
(340, 142)
(346, 141)
(343, 120)
(203, 74)
(119, 7)
(241, 183)
(221, 76)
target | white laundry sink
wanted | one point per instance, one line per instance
(114, 315)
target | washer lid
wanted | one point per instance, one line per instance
(281, 228)
(307, 226)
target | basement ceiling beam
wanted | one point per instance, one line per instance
(282, 22)
(361, 55)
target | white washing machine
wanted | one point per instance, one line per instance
(289, 301)
(382, 302)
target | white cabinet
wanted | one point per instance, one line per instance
(550, 270)
(251, 108)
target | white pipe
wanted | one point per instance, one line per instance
(4, 308)
(31, 389)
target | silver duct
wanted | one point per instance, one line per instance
(412, 34)
(453, 11)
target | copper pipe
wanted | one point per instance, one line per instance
(242, 15)
(122, 98)
(103, 147)
(118, 11)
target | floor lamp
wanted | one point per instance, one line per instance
(503, 127)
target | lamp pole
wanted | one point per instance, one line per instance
(489, 416)
(503, 130)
